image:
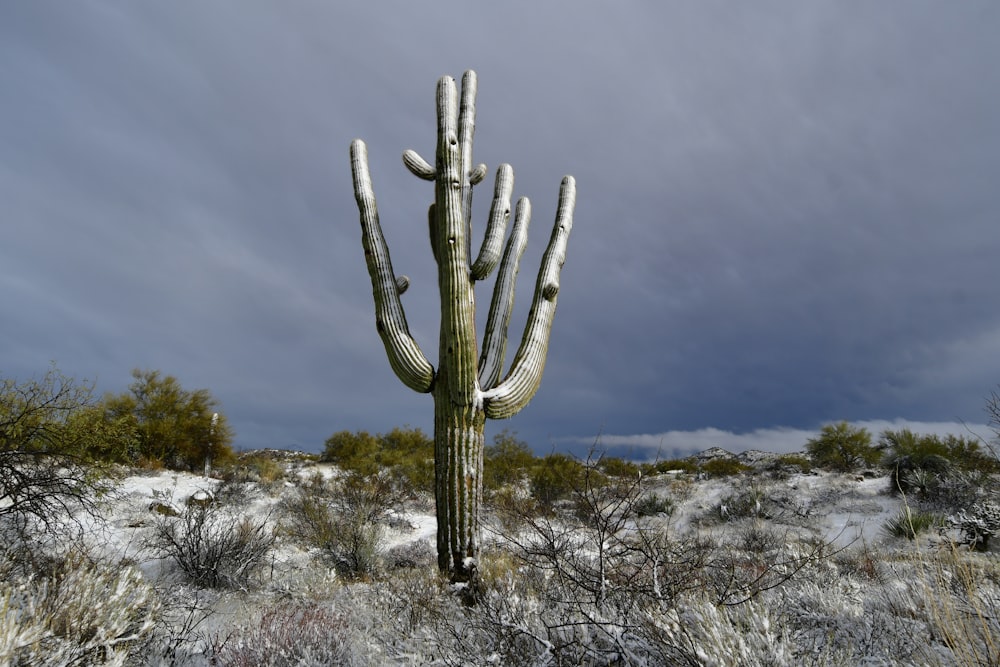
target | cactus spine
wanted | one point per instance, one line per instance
(466, 386)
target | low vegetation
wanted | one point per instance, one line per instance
(277, 559)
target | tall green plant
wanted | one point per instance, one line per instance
(842, 447)
(467, 385)
(174, 426)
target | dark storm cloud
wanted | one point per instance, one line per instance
(787, 213)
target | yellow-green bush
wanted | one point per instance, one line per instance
(723, 467)
(554, 477)
(506, 462)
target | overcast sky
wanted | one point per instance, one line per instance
(788, 213)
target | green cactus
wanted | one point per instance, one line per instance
(467, 385)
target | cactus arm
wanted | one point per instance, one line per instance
(477, 174)
(525, 374)
(466, 131)
(458, 357)
(496, 226)
(405, 357)
(495, 336)
(418, 166)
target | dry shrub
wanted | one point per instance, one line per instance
(344, 519)
(213, 548)
(292, 634)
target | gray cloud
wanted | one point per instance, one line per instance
(786, 214)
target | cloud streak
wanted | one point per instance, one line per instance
(679, 444)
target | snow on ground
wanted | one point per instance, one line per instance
(846, 510)
(842, 509)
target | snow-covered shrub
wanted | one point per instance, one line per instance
(979, 523)
(344, 519)
(213, 548)
(287, 635)
(757, 537)
(419, 553)
(654, 504)
(700, 633)
(753, 502)
(21, 627)
(960, 489)
(253, 472)
(83, 614)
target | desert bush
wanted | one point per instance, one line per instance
(613, 466)
(553, 478)
(249, 476)
(416, 554)
(792, 463)
(722, 467)
(177, 427)
(979, 523)
(654, 504)
(948, 472)
(509, 506)
(671, 465)
(407, 452)
(842, 447)
(344, 519)
(256, 467)
(758, 537)
(79, 613)
(292, 634)
(211, 547)
(506, 462)
(909, 523)
(752, 502)
(47, 470)
(915, 462)
(352, 451)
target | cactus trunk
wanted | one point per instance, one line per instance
(467, 387)
(458, 463)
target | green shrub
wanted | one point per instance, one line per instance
(968, 454)
(407, 452)
(352, 451)
(842, 447)
(751, 502)
(177, 427)
(684, 465)
(910, 523)
(343, 520)
(506, 462)
(795, 461)
(723, 467)
(248, 474)
(612, 466)
(925, 463)
(554, 477)
(653, 504)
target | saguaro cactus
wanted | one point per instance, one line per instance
(467, 385)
